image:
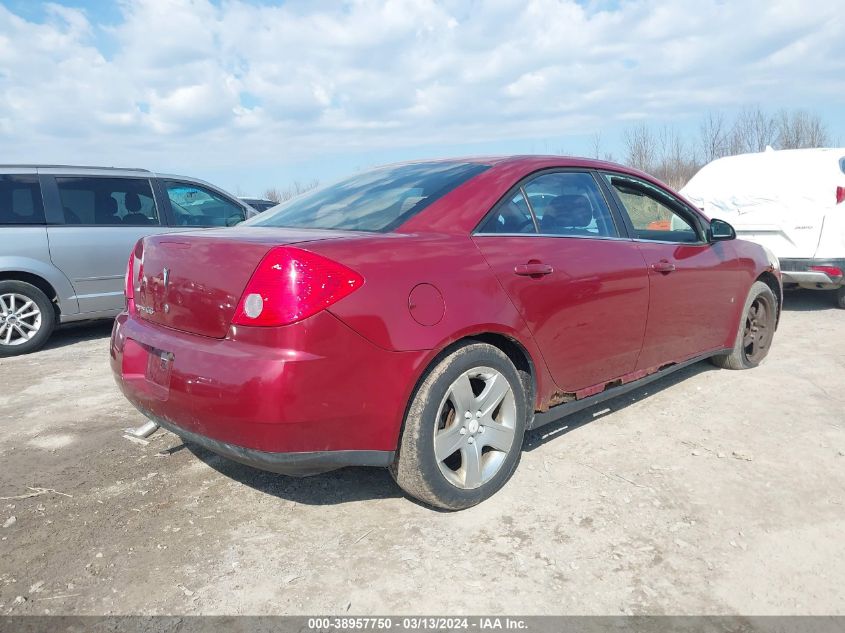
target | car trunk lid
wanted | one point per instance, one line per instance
(192, 282)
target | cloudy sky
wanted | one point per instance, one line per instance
(251, 93)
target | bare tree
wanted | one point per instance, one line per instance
(596, 144)
(667, 155)
(765, 130)
(714, 137)
(272, 194)
(752, 131)
(676, 161)
(664, 153)
(740, 137)
(800, 129)
(296, 188)
(640, 147)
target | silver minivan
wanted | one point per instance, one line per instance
(66, 233)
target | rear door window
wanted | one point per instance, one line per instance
(560, 203)
(194, 205)
(105, 201)
(20, 200)
(511, 216)
(570, 204)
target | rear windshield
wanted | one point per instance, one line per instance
(377, 200)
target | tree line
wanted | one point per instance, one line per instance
(673, 158)
(291, 191)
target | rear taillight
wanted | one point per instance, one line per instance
(291, 284)
(128, 290)
(840, 195)
(129, 279)
(831, 271)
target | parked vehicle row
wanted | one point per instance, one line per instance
(65, 234)
(423, 316)
(259, 204)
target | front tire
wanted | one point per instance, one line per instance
(463, 432)
(27, 318)
(756, 330)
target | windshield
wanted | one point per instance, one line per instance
(377, 200)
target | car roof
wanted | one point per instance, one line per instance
(94, 170)
(89, 170)
(532, 162)
(61, 166)
(458, 210)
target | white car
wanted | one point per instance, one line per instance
(789, 201)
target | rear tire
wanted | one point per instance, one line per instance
(463, 432)
(840, 298)
(756, 330)
(27, 318)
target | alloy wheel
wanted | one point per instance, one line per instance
(475, 427)
(20, 319)
(759, 329)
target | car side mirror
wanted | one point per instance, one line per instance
(721, 231)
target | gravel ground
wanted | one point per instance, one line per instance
(710, 491)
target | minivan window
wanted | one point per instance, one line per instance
(197, 206)
(376, 200)
(20, 200)
(106, 201)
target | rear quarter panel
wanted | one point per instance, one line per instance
(394, 264)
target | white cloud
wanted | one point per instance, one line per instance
(213, 84)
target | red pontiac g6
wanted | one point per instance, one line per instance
(423, 316)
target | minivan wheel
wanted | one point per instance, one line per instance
(463, 432)
(756, 330)
(27, 318)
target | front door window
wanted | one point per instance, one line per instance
(652, 213)
(197, 206)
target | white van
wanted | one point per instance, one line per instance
(790, 201)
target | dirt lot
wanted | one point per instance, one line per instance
(709, 492)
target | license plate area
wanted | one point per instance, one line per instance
(159, 368)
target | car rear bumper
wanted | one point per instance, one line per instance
(798, 271)
(294, 464)
(258, 397)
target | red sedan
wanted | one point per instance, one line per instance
(423, 316)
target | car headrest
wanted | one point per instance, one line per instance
(106, 211)
(132, 202)
(570, 210)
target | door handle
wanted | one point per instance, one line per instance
(533, 269)
(663, 266)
